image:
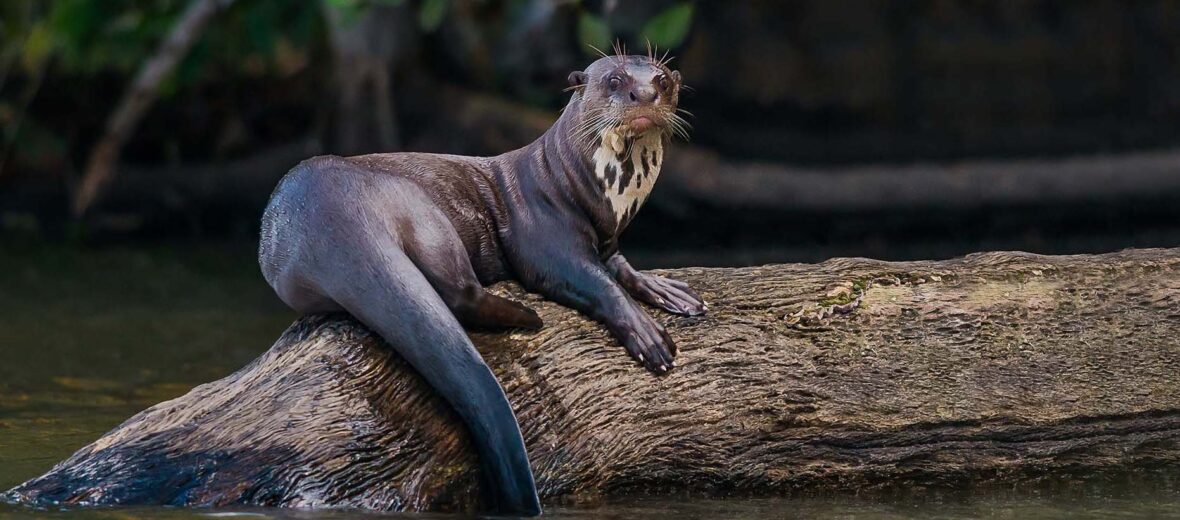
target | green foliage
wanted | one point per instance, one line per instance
(666, 29)
(592, 30)
(431, 13)
(350, 10)
(84, 41)
(90, 36)
(669, 28)
(87, 37)
(37, 47)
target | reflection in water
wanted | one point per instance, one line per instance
(88, 338)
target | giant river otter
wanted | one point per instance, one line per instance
(406, 242)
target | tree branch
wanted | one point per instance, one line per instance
(139, 98)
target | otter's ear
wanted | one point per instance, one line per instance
(676, 76)
(577, 78)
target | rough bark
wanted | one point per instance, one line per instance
(100, 166)
(849, 374)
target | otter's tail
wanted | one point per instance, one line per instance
(387, 292)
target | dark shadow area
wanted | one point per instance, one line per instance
(826, 85)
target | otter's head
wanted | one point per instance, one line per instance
(631, 95)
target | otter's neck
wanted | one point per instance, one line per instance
(611, 174)
(626, 168)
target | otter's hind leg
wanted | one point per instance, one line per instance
(435, 248)
(480, 308)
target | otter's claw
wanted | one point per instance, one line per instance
(670, 295)
(647, 341)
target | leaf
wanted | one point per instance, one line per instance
(431, 14)
(260, 29)
(38, 46)
(342, 4)
(348, 11)
(592, 30)
(75, 22)
(670, 27)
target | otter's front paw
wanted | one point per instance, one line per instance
(647, 342)
(670, 295)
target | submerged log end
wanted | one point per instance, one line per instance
(850, 374)
(327, 417)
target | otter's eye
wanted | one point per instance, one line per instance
(663, 83)
(615, 82)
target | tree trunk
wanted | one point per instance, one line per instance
(366, 46)
(852, 374)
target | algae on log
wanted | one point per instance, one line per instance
(849, 374)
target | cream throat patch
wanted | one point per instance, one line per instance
(627, 168)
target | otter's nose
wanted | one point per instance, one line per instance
(644, 95)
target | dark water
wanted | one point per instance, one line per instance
(90, 337)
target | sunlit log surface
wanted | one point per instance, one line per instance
(852, 374)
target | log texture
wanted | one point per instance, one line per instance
(846, 375)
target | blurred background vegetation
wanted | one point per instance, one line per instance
(898, 129)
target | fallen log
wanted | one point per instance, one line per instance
(851, 374)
